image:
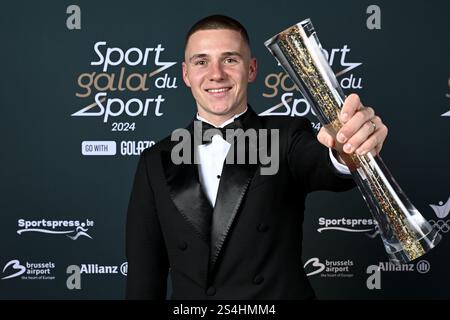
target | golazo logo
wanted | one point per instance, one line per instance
(76, 227)
(281, 84)
(117, 82)
(367, 226)
(441, 210)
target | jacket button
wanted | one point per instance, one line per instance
(258, 279)
(182, 245)
(211, 291)
(263, 227)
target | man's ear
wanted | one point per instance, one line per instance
(252, 71)
(185, 77)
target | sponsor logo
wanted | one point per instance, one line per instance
(28, 270)
(73, 229)
(441, 211)
(134, 148)
(374, 271)
(75, 272)
(109, 148)
(94, 268)
(423, 266)
(329, 268)
(367, 226)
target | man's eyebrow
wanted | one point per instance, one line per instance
(198, 56)
(224, 54)
(231, 53)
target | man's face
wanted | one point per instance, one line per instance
(217, 67)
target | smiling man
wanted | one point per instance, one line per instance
(218, 67)
(223, 230)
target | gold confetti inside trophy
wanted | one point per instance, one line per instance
(405, 233)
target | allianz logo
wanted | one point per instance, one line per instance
(75, 272)
(373, 280)
(367, 226)
(94, 268)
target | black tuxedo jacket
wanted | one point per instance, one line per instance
(249, 246)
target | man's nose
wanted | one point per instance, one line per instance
(217, 72)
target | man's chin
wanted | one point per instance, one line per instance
(220, 111)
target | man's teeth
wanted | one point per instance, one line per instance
(218, 90)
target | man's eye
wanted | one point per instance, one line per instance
(200, 62)
(230, 60)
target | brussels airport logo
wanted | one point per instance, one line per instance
(441, 210)
(374, 272)
(367, 226)
(76, 271)
(115, 78)
(329, 268)
(72, 229)
(280, 85)
(28, 270)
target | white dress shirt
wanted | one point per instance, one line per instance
(212, 156)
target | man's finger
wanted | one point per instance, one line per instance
(366, 130)
(325, 138)
(355, 124)
(351, 105)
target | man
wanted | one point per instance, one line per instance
(225, 231)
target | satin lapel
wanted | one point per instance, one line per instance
(233, 186)
(187, 195)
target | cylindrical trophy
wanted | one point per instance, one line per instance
(405, 233)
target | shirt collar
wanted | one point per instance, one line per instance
(224, 123)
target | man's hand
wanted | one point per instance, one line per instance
(362, 130)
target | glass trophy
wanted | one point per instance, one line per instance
(405, 233)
